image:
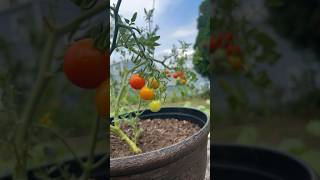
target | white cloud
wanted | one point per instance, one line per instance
(169, 35)
(181, 33)
(186, 31)
(128, 7)
(166, 51)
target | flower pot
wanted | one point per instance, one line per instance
(252, 163)
(98, 173)
(184, 160)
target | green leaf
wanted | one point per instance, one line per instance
(134, 17)
(293, 146)
(274, 3)
(313, 128)
(187, 104)
(228, 4)
(127, 20)
(268, 56)
(155, 38)
(265, 40)
(248, 135)
(313, 158)
(261, 79)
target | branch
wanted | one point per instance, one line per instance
(94, 137)
(92, 12)
(129, 27)
(142, 49)
(42, 81)
(153, 59)
(58, 136)
(101, 161)
(116, 28)
(125, 138)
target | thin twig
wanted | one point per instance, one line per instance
(116, 28)
(63, 141)
(88, 167)
(92, 12)
(101, 161)
(42, 81)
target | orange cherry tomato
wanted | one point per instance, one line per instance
(154, 83)
(102, 99)
(146, 93)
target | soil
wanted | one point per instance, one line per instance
(157, 133)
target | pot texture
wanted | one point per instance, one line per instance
(252, 163)
(185, 160)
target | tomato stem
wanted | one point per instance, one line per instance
(89, 164)
(117, 109)
(125, 138)
(43, 77)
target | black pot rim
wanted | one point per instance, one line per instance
(302, 163)
(169, 151)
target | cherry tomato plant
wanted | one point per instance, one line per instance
(139, 73)
(232, 46)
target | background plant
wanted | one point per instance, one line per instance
(31, 116)
(233, 49)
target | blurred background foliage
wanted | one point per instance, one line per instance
(66, 109)
(273, 100)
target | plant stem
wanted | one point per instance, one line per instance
(125, 138)
(63, 141)
(92, 12)
(20, 170)
(136, 130)
(101, 161)
(116, 28)
(89, 164)
(29, 110)
(122, 88)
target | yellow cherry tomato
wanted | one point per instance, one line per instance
(183, 81)
(155, 106)
(146, 93)
(154, 83)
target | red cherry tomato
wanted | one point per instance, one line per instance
(137, 82)
(219, 41)
(233, 50)
(228, 36)
(175, 75)
(212, 44)
(84, 65)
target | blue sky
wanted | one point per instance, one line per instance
(177, 19)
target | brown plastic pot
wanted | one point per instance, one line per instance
(186, 160)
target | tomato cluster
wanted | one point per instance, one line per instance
(147, 93)
(87, 67)
(179, 75)
(233, 52)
